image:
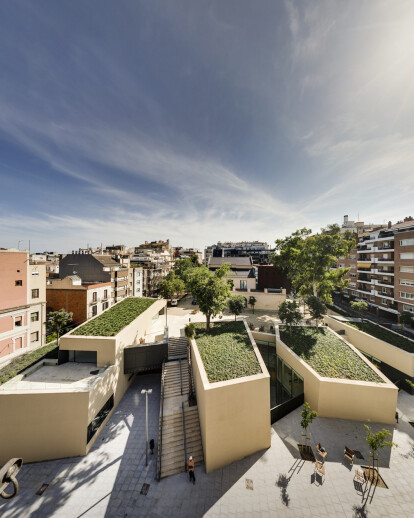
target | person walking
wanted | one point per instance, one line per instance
(191, 469)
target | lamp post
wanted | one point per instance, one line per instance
(146, 392)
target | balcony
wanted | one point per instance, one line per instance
(379, 282)
(364, 270)
(364, 290)
(384, 295)
(383, 272)
(367, 281)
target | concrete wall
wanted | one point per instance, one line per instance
(342, 398)
(234, 415)
(387, 353)
(42, 426)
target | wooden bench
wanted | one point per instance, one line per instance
(349, 455)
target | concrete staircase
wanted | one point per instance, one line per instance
(177, 347)
(174, 436)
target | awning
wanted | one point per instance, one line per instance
(364, 265)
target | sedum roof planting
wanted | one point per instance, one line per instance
(384, 334)
(226, 351)
(330, 356)
(112, 321)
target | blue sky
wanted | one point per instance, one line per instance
(202, 121)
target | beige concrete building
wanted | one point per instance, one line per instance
(58, 410)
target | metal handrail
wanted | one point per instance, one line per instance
(185, 437)
(161, 423)
(181, 378)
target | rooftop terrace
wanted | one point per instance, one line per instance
(113, 320)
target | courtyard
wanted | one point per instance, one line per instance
(113, 481)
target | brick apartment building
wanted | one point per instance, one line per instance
(22, 303)
(84, 300)
(382, 269)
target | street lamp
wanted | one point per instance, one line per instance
(146, 392)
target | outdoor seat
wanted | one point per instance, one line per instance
(319, 469)
(360, 476)
(349, 455)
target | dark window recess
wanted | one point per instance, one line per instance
(99, 418)
(18, 283)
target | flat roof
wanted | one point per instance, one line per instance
(68, 376)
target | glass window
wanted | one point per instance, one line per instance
(35, 294)
(18, 283)
(34, 317)
(94, 310)
(406, 242)
(407, 255)
(407, 269)
(34, 337)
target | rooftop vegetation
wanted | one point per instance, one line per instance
(25, 361)
(338, 310)
(115, 318)
(226, 351)
(385, 334)
(329, 355)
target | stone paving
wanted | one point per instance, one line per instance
(274, 482)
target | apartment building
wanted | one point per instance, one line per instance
(50, 260)
(156, 259)
(241, 271)
(182, 253)
(97, 269)
(382, 269)
(259, 251)
(84, 300)
(22, 303)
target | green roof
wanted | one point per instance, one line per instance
(330, 356)
(226, 351)
(112, 321)
(384, 334)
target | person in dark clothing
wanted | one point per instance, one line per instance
(191, 469)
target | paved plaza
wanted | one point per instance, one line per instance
(108, 481)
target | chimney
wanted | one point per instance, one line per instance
(389, 224)
(345, 218)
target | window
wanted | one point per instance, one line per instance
(94, 296)
(405, 295)
(353, 284)
(406, 282)
(372, 298)
(35, 272)
(352, 274)
(105, 294)
(341, 265)
(35, 293)
(18, 321)
(406, 242)
(352, 256)
(18, 283)
(99, 419)
(104, 306)
(353, 267)
(34, 317)
(34, 337)
(243, 285)
(384, 291)
(407, 255)
(385, 302)
(410, 309)
(94, 310)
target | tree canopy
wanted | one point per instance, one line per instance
(236, 305)
(171, 285)
(308, 260)
(183, 266)
(210, 289)
(360, 306)
(289, 313)
(316, 307)
(58, 320)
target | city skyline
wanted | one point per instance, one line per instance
(135, 121)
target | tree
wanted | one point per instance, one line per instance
(252, 302)
(189, 332)
(406, 318)
(236, 305)
(377, 441)
(308, 416)
(289, 313)
(58, 320)
(210, 289)
(359, 306)
(170, 286)
(317, 308)
(183, 266)
(310, 260)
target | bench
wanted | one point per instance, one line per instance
(349, 455)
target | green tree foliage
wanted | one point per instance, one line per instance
(289, 313)
(183, 266)
(308, 416)
(236, 305)
(210, 289)
(58, 320)
(171, 286)
(378, 441)
(252, 302)
(316, 307)
(359, 306)
(190, 332)
(308, 260)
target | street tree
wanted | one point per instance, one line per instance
(316, 307)
(308, 416)
(252, 302)
(359, 306)
(57, 321)
(183, 266)
(289, 313)
(210, 289)
(376, 442)
(169, 287)
(310, 260)
(236, 305)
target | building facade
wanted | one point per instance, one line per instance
(259, 251)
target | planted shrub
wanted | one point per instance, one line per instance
(116, 318)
